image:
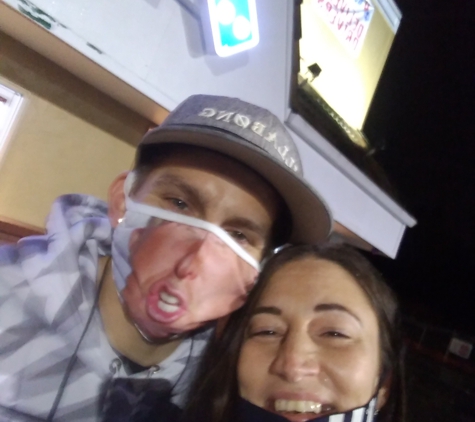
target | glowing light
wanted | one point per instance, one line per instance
(241, 28)
(226, 12)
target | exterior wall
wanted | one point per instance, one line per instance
(69, 137)
(157, 50)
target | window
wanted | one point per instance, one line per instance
(338, 60)
(10, 102)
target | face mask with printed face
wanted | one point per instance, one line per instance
(174, 272)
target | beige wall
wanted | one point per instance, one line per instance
(69, 137)
(346, 83)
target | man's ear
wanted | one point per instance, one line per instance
(116, 199)
(384, 391)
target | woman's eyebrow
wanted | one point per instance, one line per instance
(266, 310)
(325, 307)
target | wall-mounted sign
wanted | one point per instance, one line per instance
(348, 20)
(234, 25)
(10, 102)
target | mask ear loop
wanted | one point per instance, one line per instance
(129, 183)
(185, 219)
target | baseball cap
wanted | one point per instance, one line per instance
(255, 137)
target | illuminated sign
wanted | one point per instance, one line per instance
(348, 20)
(234, 25)
(342, 51)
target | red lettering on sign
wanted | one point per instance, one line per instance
(348, 19)
(359, 31)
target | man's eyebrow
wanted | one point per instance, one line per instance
(190, 191)
(325, 307)
(273, 310)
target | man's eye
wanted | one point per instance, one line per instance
(238, 236)
(178, 203)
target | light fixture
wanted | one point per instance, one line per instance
(315, 70)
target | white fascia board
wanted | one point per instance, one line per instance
(351, 206)
(336, 158)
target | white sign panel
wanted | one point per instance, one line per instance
(460, 348)
(348, 19)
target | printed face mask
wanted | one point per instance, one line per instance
(173, 272)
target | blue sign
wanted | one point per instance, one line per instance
(234, 25)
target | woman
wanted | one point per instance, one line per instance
(317, 337)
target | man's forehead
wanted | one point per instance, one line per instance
(216, 165)
(198, 157)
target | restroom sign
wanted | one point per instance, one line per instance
(233, 25)
(349, 20)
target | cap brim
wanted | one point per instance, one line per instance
(311, 218)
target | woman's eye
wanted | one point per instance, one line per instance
(264, 333)
(334, 334)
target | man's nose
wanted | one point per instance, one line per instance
(296, 358)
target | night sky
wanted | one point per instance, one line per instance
(423, 117)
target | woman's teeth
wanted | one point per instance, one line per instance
(301, 406)
(168, 303)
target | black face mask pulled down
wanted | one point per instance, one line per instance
(248, 412)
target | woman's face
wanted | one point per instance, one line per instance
(312, 344)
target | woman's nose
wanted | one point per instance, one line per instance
(296, 359)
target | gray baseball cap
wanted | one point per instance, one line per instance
(255, 137)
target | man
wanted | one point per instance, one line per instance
(129, 289)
